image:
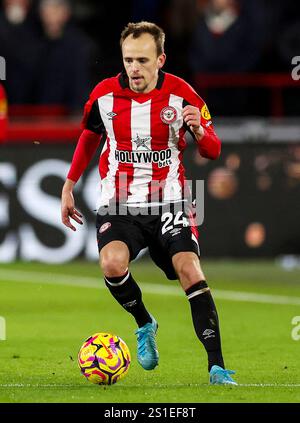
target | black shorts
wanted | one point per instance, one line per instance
(165, 231)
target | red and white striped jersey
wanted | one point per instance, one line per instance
(143, 136)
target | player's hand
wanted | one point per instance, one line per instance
(68, 210)
(191, 116)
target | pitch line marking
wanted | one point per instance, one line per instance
(43, 278)
(243, 385)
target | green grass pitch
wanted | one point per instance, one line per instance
(50, 310)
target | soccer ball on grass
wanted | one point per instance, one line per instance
(104, 358)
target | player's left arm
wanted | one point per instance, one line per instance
(198, 122)
(192, 117)
(209, 144)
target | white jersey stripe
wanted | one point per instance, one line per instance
(108, 186)
(172, 188)
(140, 141)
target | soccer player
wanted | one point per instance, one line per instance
(140, 117)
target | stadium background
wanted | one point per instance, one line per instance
(252, 192)
(250, 207)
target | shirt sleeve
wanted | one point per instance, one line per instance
(92, 118)
(85, 149)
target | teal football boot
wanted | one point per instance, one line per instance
(220, 376)
(147, 353)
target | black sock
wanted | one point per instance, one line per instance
(206, 322)
(127, 292)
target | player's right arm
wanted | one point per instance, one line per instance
(68, 206)
(89, 140)
(85, 149)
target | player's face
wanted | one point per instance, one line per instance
(141, 62)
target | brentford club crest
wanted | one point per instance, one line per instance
(168, 115)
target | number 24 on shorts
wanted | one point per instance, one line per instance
(171, 221)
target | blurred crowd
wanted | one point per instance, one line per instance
(56, 50)
(48, 57)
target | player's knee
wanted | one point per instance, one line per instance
(113, 265)
(189, 272)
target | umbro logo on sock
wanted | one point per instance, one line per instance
(209, 333)
(130, 304)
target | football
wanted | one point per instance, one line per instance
(104, 358)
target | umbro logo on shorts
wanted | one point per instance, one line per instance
(104, 227)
